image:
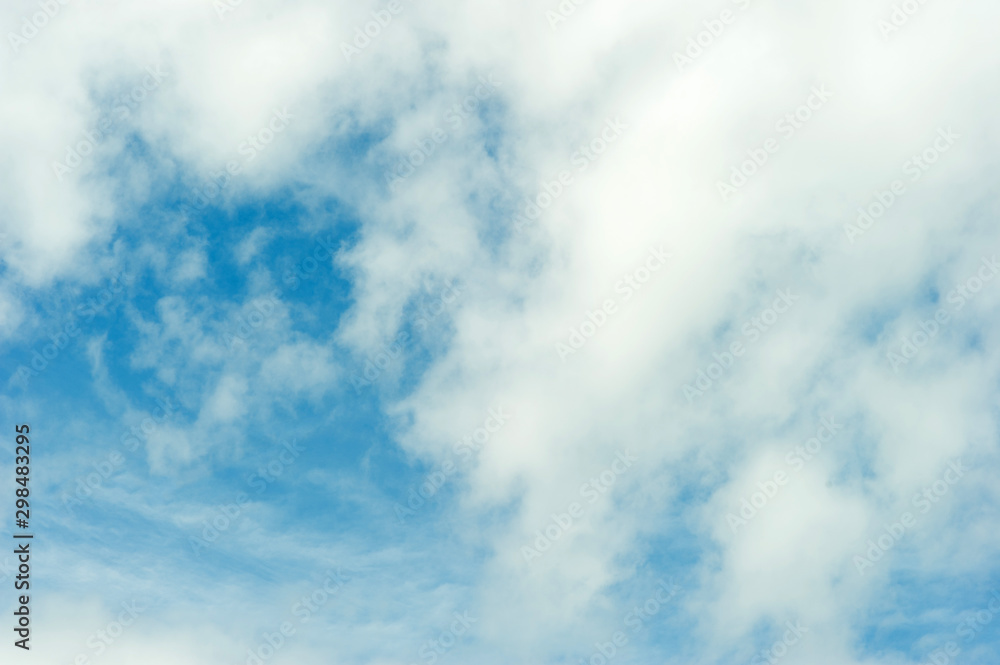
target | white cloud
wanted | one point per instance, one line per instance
(523, 293)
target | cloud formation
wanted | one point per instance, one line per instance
(747, 248)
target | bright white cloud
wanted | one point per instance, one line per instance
(622, 149)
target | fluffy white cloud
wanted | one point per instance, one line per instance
(609, 71)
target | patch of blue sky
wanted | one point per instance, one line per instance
(918, 611)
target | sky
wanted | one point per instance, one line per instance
(552, 333)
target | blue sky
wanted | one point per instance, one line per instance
(451, 350)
